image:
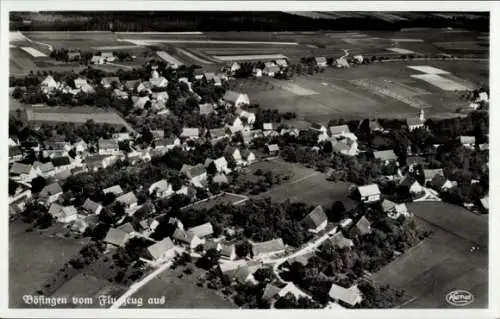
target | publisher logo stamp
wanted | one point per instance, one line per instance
(459, 298)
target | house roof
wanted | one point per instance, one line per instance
(218, 132)
(351, 295)
(227, 250)
(127, 227)
(206, 108)
(387, 155)
(195, 171)
(230, 266)
(232, 96)
(20, 168)
(363, 226)
(439, 180)
(127, 199)
(209, 75)
(430, 173)
(271, 69)
(315, 218)
(109, 80)
(108, 144)
(269, 246)
(273, 148)
(388, 205)
(51, 189)
(339, 129)
(485, 201)
(190, 132)
(320, 59)
(407, 181)
(55, 210)
(220, 179)
(91, 206)
(270, 291)
(69, 211)
(202, 230)
(267, 126)
(338, 240)
(63, 174)
(281, 62)
(183, 236)
(369, 190)
(116, 237)
(220, 162)
(467, 139)
(116, 189)
(61, 161)
(159, 248)
(131, 84)
(159, 186)
(414, 121)
(245, 153)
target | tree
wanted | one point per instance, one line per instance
(264, 275)
(209, 260)
(37, 184)
(243, 249)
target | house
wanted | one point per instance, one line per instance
(267, 126)
(316, 220)
(119, 137)
(257, 72)
(272, 149)
(92, 207)
(220, 179)
(140, 102)
(217, 134)
(268, 248)
(116, 237)
(74, 55)
(221, 165)
(115, 190)
(281, 63)
(386, 157)
(441, 183)
(209, 76)
(272, 292)
(158, 81)
(338, 130)
(234, 67)
(362, 227)
(358, 58)
(430, 173)
(48, 84)
(145, 87)
(369, 193)
(206, 109)
(248, 156)
(250, 117)
(186, 237)
(128, 200)
(202, 231)
(127, 228)
(80, 146)
(15, 153)
(161, 189)
(416, 122)
(399, 210)
(62, 164)
(320, 61)
(349, 296)
(107, 82)
(344, 146)
(236, 98)
(411, 186)
(484, 146)
(190, 133)
(131, 85)
(163, 250)
(51, 193)
(318, 128)
(485, 202)
(228, 251)
(167, 143)
(339, 241)
(65, 214)
(233, 154)
(13, 141)
(342, 63)
(95, 163)
(468, 141)
(24, 172)
(197, 175)
(108, 147)
(108, 56)
(97, 59)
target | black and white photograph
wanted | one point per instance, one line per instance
(226, 159)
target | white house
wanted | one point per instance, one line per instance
(350, 296)
(268, 248)
(369, 193)
(163, 250)
(320, 61)
(248, 156)
(316, 220)
(108, 147)
(221, 165)
(202, 231)
(416, 122)
(318, 128)
(233, 153)
(249, 116)
(190, 133)
(128, 200)
(50, 193)
(188, 238)
(161, 188)
(236, 99)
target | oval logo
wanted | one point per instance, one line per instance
(459, 298)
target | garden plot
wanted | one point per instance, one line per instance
(401, 50)
(441, 82)
(167, 57)
(34, 52)
(428, 69)
(250, 57)
(294, 88)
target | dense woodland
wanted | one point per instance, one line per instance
(231, 21)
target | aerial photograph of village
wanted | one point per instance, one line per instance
(248, 160)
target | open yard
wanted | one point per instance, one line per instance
(444, 261)
(33, 259)
(306, 185)
(180, 292)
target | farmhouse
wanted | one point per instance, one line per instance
(386, 157)
(206, 108)
(140, 102)
(273, 292)
(15, 153)
(316, 220)
(250, 117)
(62, 163)
(369, 193)
(468, 141)
(163, 250)
(361, 228)
(271, 71)
(268, 248)
(281, 63)
(257, 72)
(145, 86)
(344, 146)
(167, 143)
(339, 130)
(441, 183)
(24, 172)
(116, 237)
(409, 185)
(128, 200)
(217, 134)
(157, 81)
(65, 214)
(80, 146)
(233, 154)
(318, 128)
(188, 238)
(237, 99)
(197, 174)
(350, 296)
(320, 61)
(190, 133)
(248, 156)
(51, 193)
(161, 189)
(49, 84)
(220, 165)
(272, 149)
(339, 241)
(416, 122)
(430, 173)
(234, 67)
(108, 147)
(202, 231)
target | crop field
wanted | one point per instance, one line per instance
(180, 292)
(33, 260)
(227, 58)
(73, 39)
(441, 82)
(168, 58)
(306, 185)
(226, 199)
(401, 50)
(33, 52)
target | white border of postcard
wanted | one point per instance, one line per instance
(129, 5)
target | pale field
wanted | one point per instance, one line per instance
(428, 69)
(167, 57)
(401, 50)
(33, 52)
(441, 82)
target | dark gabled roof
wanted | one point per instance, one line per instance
(196, 171)
(90, 206)
(439, 180)
(51, 189)
(20, 168)
(315, 218)
(61, 161)
(363, 226)
(407, 181)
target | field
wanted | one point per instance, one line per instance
(33, 259)
(306, 185)
(444, 261)
(77, 115)
(226, 198)
(180, 292)
(441, 82)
